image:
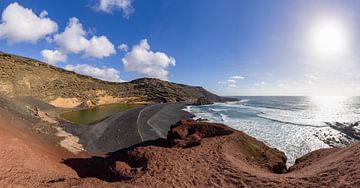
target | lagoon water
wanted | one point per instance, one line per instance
(292, 124)
(91, 116)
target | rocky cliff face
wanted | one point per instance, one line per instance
(20, 77)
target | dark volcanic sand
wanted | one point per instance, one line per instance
(128, 128)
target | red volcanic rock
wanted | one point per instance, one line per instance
(231, 160)
(122, 169)
(188, 133)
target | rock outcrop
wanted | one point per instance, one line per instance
(222, 157)
(203, 101)
(189, 133)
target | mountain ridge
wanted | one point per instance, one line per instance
(22, 76)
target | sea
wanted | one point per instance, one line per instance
(294, 125)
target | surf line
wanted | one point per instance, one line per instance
(296, 124)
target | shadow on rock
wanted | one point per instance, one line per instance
(120, 165)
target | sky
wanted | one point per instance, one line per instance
(229, 47)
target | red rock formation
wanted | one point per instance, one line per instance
(188, 133)
(229, 160)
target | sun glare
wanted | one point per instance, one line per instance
(329, 39)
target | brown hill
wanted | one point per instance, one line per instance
(20, 76)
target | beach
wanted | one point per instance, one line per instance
(128, 128)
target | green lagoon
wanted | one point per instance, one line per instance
(94, 115)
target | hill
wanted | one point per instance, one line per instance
(24, 77)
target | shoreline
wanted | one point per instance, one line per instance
(128, 128)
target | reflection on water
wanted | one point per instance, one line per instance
(333, 108)
(93, 115)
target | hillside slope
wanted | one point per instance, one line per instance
(21, 77)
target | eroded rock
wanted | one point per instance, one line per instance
(188, 133)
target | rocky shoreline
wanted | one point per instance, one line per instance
(194, 154)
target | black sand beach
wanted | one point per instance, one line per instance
(128, 128)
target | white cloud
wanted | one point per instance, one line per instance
(311, 76)
(53, 56)
(147, 63)
(231, 81)
(237, 77)
(107, 74)
(99, 47)
(43, 14)
(111, 5)
(73, 40)
(232, 86)
(260, 83)
(20, 24)
(282, 85)
(123, 47)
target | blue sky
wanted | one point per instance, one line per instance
(230, 47)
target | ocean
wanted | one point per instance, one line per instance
(294, 125)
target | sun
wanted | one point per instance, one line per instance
(329, 39)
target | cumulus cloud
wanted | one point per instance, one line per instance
(109, 6)
(20, 24)
(147, 63)
(107, 74)
(123, 47)
(43, 14)
(99, 47)
(53, 56)
(74, 40)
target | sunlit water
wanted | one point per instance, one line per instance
(287, 123)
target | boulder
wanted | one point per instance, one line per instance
(188, 133)
(203, 101)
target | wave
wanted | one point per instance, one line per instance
(224, 118)
(294, 126)
(238, 111)
(273, 107)
(244, 100)
(291, 123)
(218, 109)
